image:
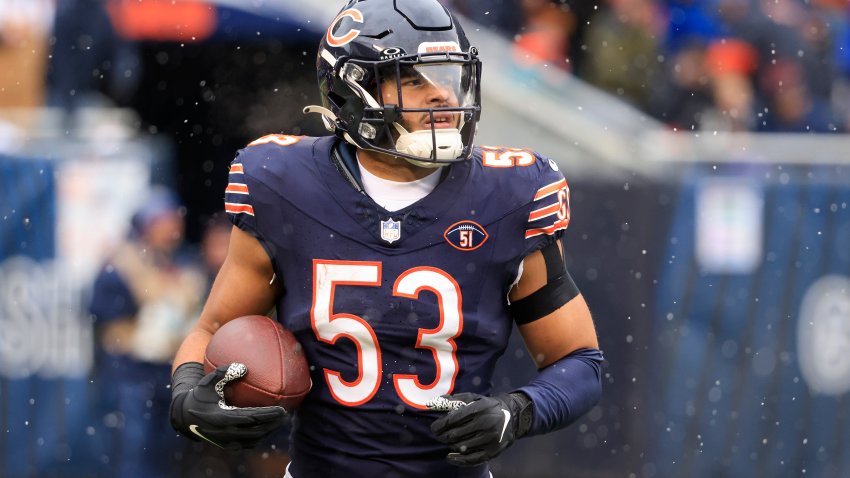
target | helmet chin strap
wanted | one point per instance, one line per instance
(421, 144)
(328, 118)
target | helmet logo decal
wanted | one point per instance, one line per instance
(438, 47)
(392, 52)
(466, 235)
(340, 40)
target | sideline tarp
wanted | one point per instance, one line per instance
(202, 20)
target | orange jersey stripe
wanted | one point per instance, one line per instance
(239, 208)
(543, 212)
(237, 188)
(558, 225)
(237, 168)
(550, 189)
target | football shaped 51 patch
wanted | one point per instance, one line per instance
(466, 235)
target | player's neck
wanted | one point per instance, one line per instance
(391, 168)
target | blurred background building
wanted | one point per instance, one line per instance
(705, 142)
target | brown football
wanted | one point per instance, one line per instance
(278, 373)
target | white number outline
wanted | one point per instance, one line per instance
(440, 340)
(506, 157)
(563, 204)
(329, 327)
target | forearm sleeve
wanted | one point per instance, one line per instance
(565, 390)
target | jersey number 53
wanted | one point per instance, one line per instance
(329, 327)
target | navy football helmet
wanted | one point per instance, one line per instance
(375, 50)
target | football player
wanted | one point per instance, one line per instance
(399, 254)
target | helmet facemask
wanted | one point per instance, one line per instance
(423, 108)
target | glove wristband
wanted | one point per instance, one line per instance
(523, 408)
(185, 377)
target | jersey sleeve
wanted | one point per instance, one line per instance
(549, 211)
(237, 198)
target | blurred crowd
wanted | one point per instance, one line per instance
(715, 65)
(731, 65)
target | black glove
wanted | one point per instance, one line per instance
(477, 427)
(198, 410)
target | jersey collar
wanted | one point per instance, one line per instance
(338, 168)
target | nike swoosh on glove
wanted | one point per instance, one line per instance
(477, 427)
(199, 412)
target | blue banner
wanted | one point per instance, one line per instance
(751, 364)
(43, 406)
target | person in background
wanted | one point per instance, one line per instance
(24, 44)
(791, 106)
(214, 244)
(544, 37)
(683, 92)
(623, 46)
(143, 301)
(730, 64)
(90, 64)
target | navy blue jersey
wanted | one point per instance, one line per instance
(392, 308)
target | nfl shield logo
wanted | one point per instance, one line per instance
(390, 230)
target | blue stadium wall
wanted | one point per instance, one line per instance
(45, 429)
(613, 253)
(730, 350)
